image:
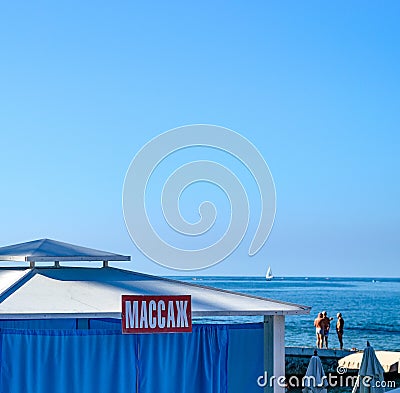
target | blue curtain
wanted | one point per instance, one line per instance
(61, 323)
(105, 323)
(245, 357)
(104, 361)
(183, 363)
(67, 361)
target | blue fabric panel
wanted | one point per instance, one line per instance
(184, 362)
(68, 323)
(97, 361)
(67, 361)
(245, 357)
(105, 323)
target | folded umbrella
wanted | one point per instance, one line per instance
(370, 376)
(315, 380)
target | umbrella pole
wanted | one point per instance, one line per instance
(355, 387)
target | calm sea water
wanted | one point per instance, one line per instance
(371, 308)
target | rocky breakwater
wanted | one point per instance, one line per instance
(297, 359)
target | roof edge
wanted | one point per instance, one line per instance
(306, 309)
(117, 315)
(22, 258)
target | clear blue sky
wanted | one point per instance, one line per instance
(315, 86)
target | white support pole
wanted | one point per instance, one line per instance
(268, 351)
(274, 353)
(279, 352)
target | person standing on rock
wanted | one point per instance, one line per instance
(319, 330)
(339, 329)
(326, 325)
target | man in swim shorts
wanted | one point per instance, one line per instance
(326, 325)
(339, 329)
(319, 330)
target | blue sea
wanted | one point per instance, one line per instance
(370, 307)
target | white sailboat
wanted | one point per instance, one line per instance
(269, 275)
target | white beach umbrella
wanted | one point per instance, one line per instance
(388, 359)
(370, 376)
(315, 380)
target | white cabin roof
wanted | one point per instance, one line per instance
(79, 292)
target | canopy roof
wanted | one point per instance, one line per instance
(388, 359)
(47, 250)
(78, 292)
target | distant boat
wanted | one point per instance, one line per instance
(269, 275)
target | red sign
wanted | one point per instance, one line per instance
(156, 314)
